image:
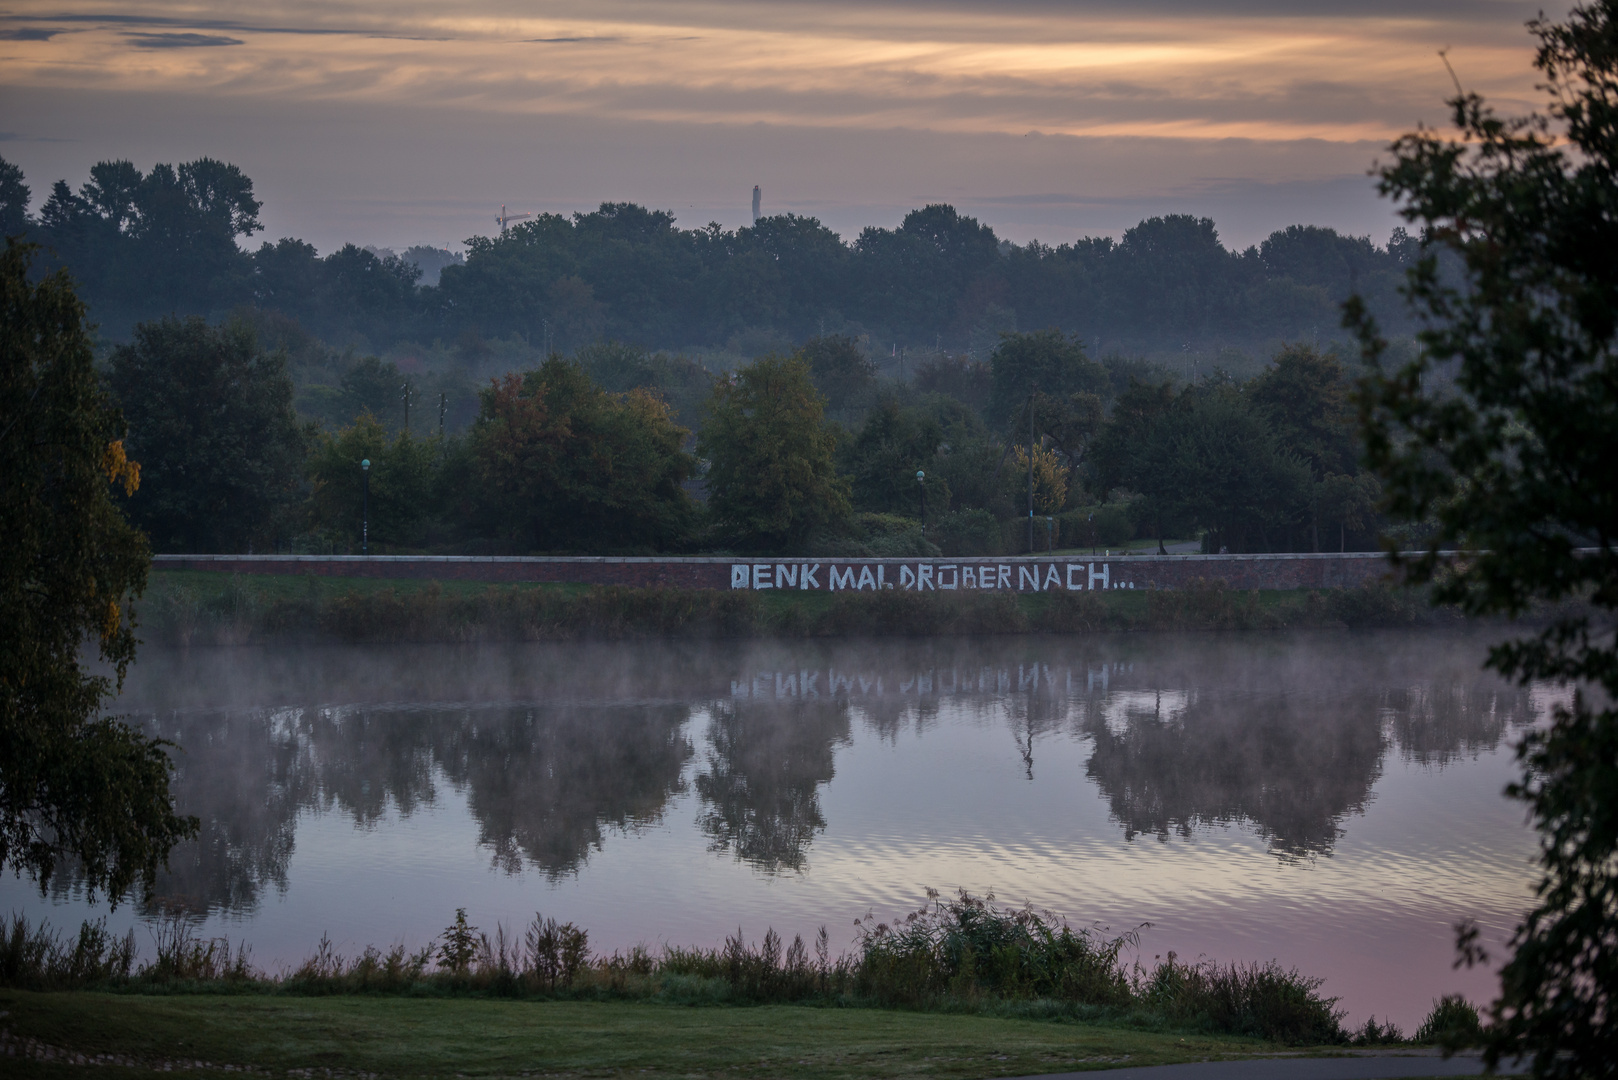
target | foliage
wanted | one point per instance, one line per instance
(1265, 1000)
(840, 371)
(210, 418)
(556, 953)
(966, 532)
(1453, 1023)
(617, 367)
(373, 387)
(882, 460)
(960, 377)
(1045, 362)
(148, 245)
(962, 955)
(460, 945)
(1215, 463)
(558, 463)
(157, 243)
(1050, 476)
(401, 483)
(13, 200)
(1347, 501)
(72, 786)
(772, 477)
(37, 958)
(1501, 433)
(1305, 397)
(967, 946)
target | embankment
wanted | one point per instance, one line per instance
(192, 607)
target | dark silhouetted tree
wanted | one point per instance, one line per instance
(772, 475)
(1510, 458)
(210, 418)
(73, 786)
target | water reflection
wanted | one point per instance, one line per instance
(1202, 758)
(544, 785)
(555, 749)
(761, 788)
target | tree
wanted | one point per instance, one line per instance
(1050, 480)
(839, 370)
(1501, 434)
(1043, 361)
(153, 244)
(883, 459)
(558, 463)
(14, 196)
(772, 475)
(210, 417)
(1304, 395)
(1214, 461)
(1116, 453)
(1348, 501)
(72, 785)
(400, 482)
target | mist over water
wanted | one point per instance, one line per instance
(1330, 800)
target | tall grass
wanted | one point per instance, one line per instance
(963, 954)
(232, 609)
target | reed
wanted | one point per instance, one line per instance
(960, 955)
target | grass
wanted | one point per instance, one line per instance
(960, 988)
(408, 1037)
(208, 607)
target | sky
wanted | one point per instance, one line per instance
(408, 122)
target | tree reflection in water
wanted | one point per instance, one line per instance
(545, 784)
(761, 789)
(555, 747)
(1291, 765)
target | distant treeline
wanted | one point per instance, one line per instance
(586, 454)
(168, 242)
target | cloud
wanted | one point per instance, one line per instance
(1009, 103)
(29, 33)
(180, 41)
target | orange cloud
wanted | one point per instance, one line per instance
(1240, 73)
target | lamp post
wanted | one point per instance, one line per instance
(365, 506)
(921, 480)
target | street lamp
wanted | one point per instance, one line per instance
(365, 506)
(921, 479)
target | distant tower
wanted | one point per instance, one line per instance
(756, 197)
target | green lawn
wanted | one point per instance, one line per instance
(408, 1037)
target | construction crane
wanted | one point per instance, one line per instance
(505, 219)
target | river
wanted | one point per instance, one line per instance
(1328, 800)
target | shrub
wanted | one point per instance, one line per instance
(1265, 1000)
(967, 533)
(1452, 1023)
(967, 947)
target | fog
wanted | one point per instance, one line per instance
(1330, 800)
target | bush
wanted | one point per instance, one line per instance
(1265, 1000)
(1109, 525)
(964, 953)
(1453, 1023)
(964, 533)
(967, 947)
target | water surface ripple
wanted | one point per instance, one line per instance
(1329, 800)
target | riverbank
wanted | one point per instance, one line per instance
(356, 1036)
(195, 607)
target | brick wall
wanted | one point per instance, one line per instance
(1023, 574)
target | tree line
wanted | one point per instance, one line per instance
(808, 452)
(176, 241)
